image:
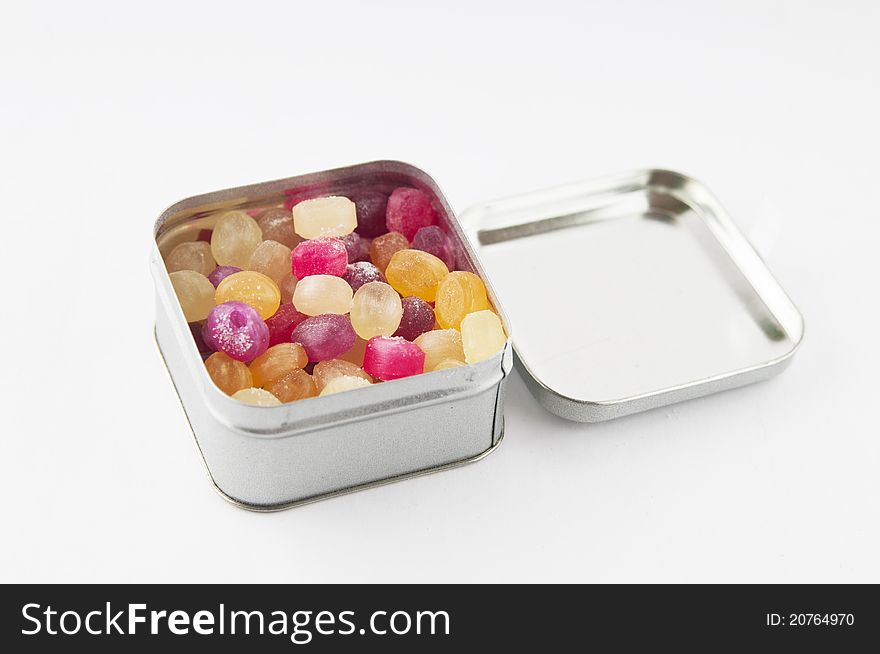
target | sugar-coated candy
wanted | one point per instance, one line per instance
(256, 397)
(272, 259)
(327, 371)
(434, 240)
(236, 329)
(376, 310)
(236, 235)
(287, 288)
(277, 225)
(482, 335)
(362, 272)
(459, 294)
(392, 357)
(282, 323)
(192, 255)
(330, 216)
(440, 345)
(418, 318)
(413, 272)
(383, 248)
(220, 273)
(320, 256)
(409, 210)
(253, 288)
(278, 360)
(317, 294)
(193, 290)
(292, 386)
(357, 246)
(228, 374)
(355, 354)
(325, 336)
(343, 383)
(446, 364)
(370, 207)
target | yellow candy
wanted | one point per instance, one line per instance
(440, 345)
(256, 397)
(413, 272)
(459, 294)
(482, 336)
(253, 288)
(331, 216)
(229, 375)
(344, 383)
(295, 385)
(195, 297)
(193, 255)
(317, 294)
(277, 361)
(235, 237)
(327, 371)
(272, 259)
(446, 364)
(376, 310)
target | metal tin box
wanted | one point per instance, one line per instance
(627, 293)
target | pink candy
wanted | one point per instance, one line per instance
(408, 211)
(320, 256)
(236, 329)
(282, 324)
(325, 336)
(392, 357)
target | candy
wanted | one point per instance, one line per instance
(287, 287)
(440, 345)
(236, 235)
(194, 292)
(195, 328)
(446, 364)
(272, 259)
(228, 374)
(408, 210)
(376, 310)
(253, 288)
(236, 329)
(194, 255)
(357, 247)
(459, 294)
(277, 225)
(482, 335)
(370, 207)
(362, 272)
(434, 240)
(256, 397)
(330, 216)
(317, 294)
(205, 235)
(325, 336)
(413, 272)
(327, 371)
(383, 248)
(278, 360)
(295, 385)
(355, 354)
(282, 323)
(343, 383)
(320, 256)
(392, 357)
(220, 273)
(418, 318)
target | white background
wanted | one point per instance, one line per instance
(112, 111)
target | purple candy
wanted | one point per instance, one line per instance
(236, 329)
(362, 272)
(434, 240)
(357, 246)
(325, 336)
(370, 207)
(418, 318)
(220, 273)
(195, 329)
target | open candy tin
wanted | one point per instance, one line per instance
(625, 294)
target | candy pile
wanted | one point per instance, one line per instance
(335, 295)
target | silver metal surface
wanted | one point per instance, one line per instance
(631, 292)
(269, 458)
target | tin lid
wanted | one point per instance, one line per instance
(631, 292)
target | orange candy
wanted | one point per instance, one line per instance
(413, 272)
(292, 386)
(383, 248)
(276, 362)
(229, 375)
(252, 288)
(459, 294)
(327, 371)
